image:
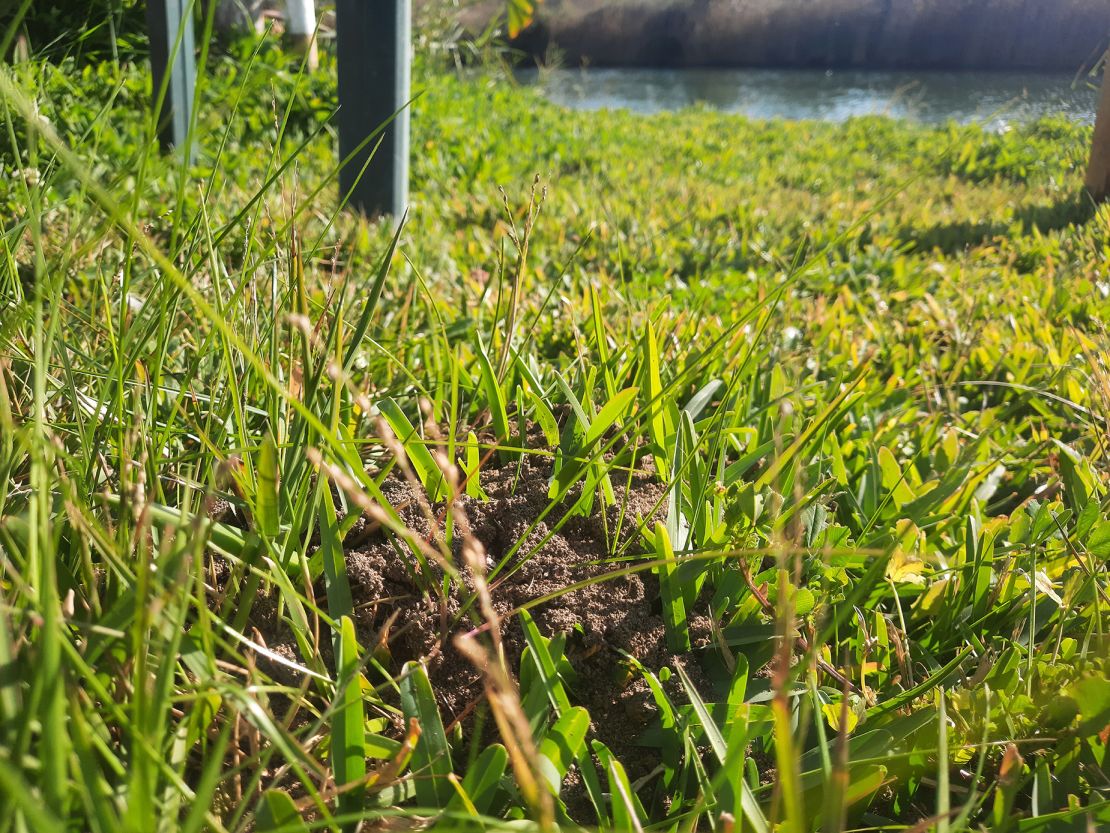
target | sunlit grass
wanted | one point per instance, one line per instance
(865, 364)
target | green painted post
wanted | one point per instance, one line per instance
(170, 24)
(373, 39)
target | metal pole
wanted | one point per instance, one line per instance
(1098, 171)
(170, 23)
(373, 40)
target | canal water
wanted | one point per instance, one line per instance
(994, 99)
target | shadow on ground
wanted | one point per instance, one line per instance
(1072, 210)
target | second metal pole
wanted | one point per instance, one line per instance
(373, 42)
(170, 23)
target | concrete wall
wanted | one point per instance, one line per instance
(933, 34)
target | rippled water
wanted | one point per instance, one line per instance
(992, 98)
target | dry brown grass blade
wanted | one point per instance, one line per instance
(504, 701)
(501, 689)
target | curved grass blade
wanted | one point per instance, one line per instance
(625, 808)
(564, 744)
(549, 672)
(277, 811)
(700, 400)
(417, 451)
(363, 325)
(431, 759)
(482, 781)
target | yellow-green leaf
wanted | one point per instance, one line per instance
(520, 15)
(266, 496)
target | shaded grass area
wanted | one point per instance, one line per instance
(243, 438)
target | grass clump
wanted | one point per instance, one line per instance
(753, 476)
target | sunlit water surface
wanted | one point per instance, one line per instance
(994, 99)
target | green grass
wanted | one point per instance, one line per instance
(867, 362)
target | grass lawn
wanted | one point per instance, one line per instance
(713, 475)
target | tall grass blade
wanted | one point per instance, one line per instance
(337, 585)
(348, 749)
(671, 593)
(431, 759)
(495, 402)
(266, 500)
(545, 663)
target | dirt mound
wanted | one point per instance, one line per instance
(603, 620)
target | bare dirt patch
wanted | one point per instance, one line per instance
(604, 621)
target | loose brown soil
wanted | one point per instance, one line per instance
(602, 620)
